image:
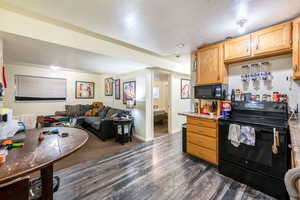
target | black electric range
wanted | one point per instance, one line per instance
(259, 166)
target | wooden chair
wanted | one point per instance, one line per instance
(16, 189)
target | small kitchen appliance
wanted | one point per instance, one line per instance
(212, 92)
(263, 165)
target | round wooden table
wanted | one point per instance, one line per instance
(37, 155)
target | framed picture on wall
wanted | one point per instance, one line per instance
(108, 84)
(85, 90)
(129, 91)
(117, 89)
(185, 89)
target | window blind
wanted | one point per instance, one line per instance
(33, 88)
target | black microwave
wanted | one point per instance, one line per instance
(218, 92)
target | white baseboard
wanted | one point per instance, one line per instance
(142, 138)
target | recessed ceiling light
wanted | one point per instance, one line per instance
(180, 45)
(54, 67)
(130, 20)
(241, 25)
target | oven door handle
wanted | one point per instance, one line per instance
(275, 141)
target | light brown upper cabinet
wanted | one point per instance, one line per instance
(296, 48)
(238, 48)
(210, 65)
(275, 39)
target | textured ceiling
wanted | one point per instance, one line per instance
(158, 25)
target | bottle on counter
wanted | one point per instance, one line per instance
(243, 97)
(286, 98)
(258, 97)
(232, 95)
(276, 97)
(281, 98)
(264, 97)
(238, 95)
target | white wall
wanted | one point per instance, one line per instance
(177, 104)
(281, 70)
(140, 110)
(48, 108)
(142, 78)
(143, 112)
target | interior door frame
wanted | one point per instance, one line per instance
(169, 100)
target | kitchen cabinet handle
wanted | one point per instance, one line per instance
(247, 47)
(295, 68)
(257, 44)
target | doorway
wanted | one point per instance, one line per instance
(161, 103)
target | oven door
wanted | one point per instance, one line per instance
(260, 157)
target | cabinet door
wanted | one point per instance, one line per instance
(210, 65)
(275, 39)
(238, 48)
(296, 48)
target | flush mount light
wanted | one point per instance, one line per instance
(130, 20)
(241, 25)
(180, 45)
(54, 67)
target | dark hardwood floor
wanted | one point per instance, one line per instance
(160, 129)
(153, 170)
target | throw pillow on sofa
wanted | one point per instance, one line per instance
(84, 109)
(72, 110)
(103, 112)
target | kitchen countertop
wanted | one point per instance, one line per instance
(192, 114)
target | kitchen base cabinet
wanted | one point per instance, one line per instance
(203, 153)
(202, 139)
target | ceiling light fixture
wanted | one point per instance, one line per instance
(241, 25)
(54, 67)
(130, 20)
(180, 45)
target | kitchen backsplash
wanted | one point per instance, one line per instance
(280, 81)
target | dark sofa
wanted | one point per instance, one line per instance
(102, 125)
